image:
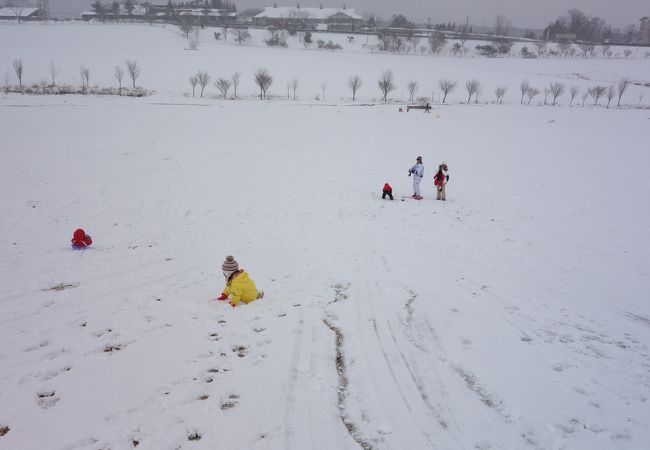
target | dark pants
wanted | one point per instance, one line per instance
(389, 193)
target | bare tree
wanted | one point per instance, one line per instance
(446, 86)
(502, 26)
(437, 42)
(479, 91)
(412, 87)
(119, 74)
(564, 47)
(583, 97)
(523, 87)
(186, 25)
(294, 85)
(354, 83)
(547, 91)
(500, 92)
(605, 49)
(556, 89)
(6, 80)
(264, 80)
(223, 86)
(472, 87)
(226, 31)
(17, 7)
(627, 52)
(241, 35)
(573, 91)
(386, 83)
(54, 71)
(18, 68)
(414, 40)
(587, 49)
(133, 69)
(596, 92)
(203, 79)
(236, 78)
(85, 77)
(611, 92)
(541, 48)
(531, 93)
(194, 81)
(623, 83)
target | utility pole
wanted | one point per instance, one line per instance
(467, 24)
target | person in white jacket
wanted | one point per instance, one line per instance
(418, 173)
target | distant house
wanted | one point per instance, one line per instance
(137, 13)
(19, 13)
(644, 30)
(333, 19)
(196, 16)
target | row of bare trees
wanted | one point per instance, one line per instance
(386, 84)
(556, 89)
(132, 70)
(262, 78)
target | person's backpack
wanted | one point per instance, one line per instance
(439, 178)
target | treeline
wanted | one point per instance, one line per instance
(51, 85)
(588, 28)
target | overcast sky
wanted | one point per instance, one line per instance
(523, 13)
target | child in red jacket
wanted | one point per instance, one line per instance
(387, 191)
(80, 239)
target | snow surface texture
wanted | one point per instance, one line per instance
(514, 315)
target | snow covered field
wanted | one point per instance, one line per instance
(515, 315)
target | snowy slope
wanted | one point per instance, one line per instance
(514, 315)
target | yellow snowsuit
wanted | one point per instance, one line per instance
(241, 289)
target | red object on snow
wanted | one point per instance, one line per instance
(388, 188)
(80, 239)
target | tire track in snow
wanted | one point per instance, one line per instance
(290, 403)
(342, 390)
(414, 373)
(400, 387)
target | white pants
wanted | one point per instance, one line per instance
(416, 184)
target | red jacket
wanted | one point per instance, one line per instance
(80, 239)
(388, 188)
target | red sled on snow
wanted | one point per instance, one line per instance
(413, 197)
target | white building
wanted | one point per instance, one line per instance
(335, 19)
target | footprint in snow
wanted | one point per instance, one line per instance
(240, 350)
(47, 399)
(41, 344)
(193, 436)
(112, 348)
(230, 403)
(101, 333)
(54, 373)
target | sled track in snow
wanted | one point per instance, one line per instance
(342, 390)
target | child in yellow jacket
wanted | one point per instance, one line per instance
(239, 287)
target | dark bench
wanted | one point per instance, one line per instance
(426, 108)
